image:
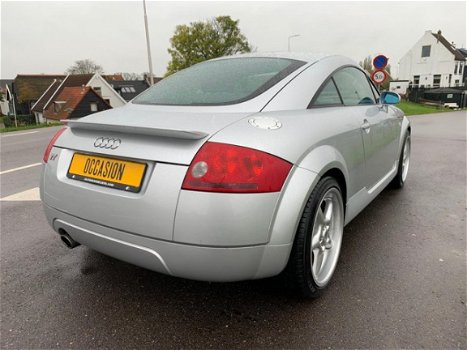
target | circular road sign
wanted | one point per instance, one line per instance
(380, 62)
(379, 76)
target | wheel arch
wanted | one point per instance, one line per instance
(321, 162)
(337, 174)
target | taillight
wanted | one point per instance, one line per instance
(51, 144)
(220, 167)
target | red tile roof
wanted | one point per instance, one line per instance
(75, 80)
(72, 97)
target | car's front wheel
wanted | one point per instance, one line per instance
(318, 240)
(404, 161)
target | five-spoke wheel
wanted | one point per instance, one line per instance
(318, 240)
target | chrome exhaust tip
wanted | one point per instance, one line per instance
(67, 240)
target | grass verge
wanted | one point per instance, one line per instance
(28, 127)
(411, 108)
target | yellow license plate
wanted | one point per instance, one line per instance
(108, 172)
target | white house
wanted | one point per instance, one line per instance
(433, 62)
(101, 86)
(399, 86)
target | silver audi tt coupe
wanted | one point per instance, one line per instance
(237, 168)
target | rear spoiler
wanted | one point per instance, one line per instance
(138, 130)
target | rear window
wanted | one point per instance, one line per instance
(220, 82)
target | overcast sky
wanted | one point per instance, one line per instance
(47, 37)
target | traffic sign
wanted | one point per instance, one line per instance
(380, 62)
(379, 76)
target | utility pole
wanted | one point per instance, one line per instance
(151, 75)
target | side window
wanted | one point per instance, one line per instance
(375, 91)
(354, 87)
(328, 96)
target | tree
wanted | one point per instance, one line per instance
(202, 41)
(367, 64)
(132, 76)
(85, 66)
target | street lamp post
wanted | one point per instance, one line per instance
(288, 40)
(151, 76)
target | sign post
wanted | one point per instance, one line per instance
(379, 75)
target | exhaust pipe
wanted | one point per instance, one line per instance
(67, 240)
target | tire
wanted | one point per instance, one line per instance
(404, 162)
(324, 226)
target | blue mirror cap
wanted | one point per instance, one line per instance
(390, 98)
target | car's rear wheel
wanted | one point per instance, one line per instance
(318, 240)
(404, 162)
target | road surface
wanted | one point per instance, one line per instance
(400, 282)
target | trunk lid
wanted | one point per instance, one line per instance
(147, 132)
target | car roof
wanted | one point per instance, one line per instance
(301, 56)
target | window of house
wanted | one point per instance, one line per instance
(416, 80)
(58, 105)
(132, 89)
(354, 87)
(328, 96)
(98, 90)
(457, 82)
(426, 50)
(455, 67)
(436, 80)
(460, 67)
(93, 107)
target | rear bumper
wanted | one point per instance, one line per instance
(217, 264)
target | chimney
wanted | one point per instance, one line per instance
(439, 34)
(453, 44)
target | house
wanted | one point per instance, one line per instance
(434, 62)
(113, 77)
(28, 88)
(399, 86)
(74, 102)
(129, 89)
(5, 88)
(96, 81)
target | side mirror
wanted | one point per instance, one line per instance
(390, 98)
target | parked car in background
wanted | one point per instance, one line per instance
(237, 168)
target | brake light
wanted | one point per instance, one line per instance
(51, 144)
(220, 167)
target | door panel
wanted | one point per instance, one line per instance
(380, 142)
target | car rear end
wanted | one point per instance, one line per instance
(146, 199)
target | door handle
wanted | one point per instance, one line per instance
(366, 126)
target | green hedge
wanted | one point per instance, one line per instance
(22, 120)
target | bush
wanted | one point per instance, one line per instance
(22, 120)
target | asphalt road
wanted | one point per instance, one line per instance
(400, 282)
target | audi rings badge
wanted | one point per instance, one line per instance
(107, 143)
